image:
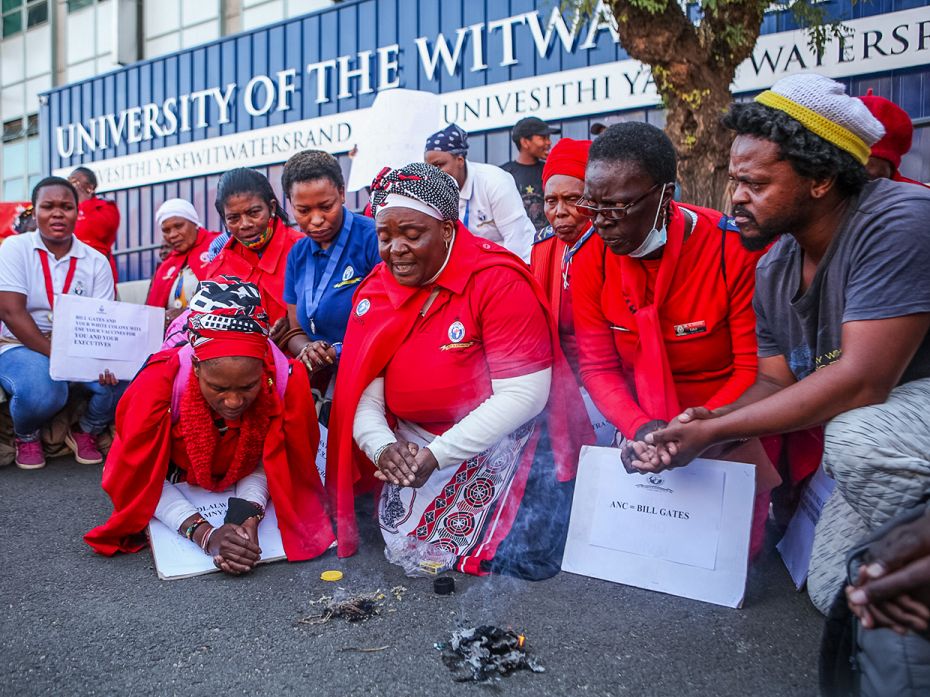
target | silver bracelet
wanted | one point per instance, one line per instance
(379, 452)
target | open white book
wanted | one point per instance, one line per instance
(177, 557)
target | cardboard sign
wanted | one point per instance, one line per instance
(90, 335)
(683, 531)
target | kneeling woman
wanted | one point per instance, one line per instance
(453, 357)
(227, 409)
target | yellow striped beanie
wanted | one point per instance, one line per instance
(822, 106)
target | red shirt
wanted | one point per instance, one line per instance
(265, 269)
(97, 225)
(482, 326)
(707, 323)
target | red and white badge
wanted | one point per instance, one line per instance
(698, 327)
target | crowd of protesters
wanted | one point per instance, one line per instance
(448, 338)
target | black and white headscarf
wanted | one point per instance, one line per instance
(451, 139)
(423, 187)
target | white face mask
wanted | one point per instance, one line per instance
(656, 238)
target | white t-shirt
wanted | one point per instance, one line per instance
(491, 207)
(21, 272)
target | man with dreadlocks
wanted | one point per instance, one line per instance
(225, 410)
(842, 312)
(446, 385)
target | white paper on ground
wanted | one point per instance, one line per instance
(177, 557)
(90, 336)
(633, 545)
(796, 546)
(389, 135)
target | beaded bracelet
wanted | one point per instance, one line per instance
(189, 533)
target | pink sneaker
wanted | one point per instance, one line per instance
(84, 447)
(29, 454)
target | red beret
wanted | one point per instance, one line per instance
(898, 128)
(569, 157)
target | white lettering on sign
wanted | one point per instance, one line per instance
(874, 44)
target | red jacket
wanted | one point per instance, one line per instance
(707, 322)
(265, 271)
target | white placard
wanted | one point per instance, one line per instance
(796, 546)
(663, 531)
(90, 335)
(683, 532)
(390, 137)
(177, 557)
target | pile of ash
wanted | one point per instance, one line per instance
(356, 608)
(481, 653)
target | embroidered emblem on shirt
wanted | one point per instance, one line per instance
(363, 306)
(456, 331)
(690, 328)
(348, 278)
(79, 288)
(205, 257)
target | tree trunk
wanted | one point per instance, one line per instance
(703, 144)
(693, 66)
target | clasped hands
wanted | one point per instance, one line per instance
(892, 588)
(659, 446)
(234, 548)
(405, 464)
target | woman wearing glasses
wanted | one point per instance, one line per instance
(662, 296)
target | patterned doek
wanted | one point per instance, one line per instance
(419, 181)
(464, 510)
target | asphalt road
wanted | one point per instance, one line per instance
(79, 624)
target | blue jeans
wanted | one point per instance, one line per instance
(35, 398)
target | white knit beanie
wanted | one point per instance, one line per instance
(823, 107)
(176, 208)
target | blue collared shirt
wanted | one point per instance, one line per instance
(307, 263)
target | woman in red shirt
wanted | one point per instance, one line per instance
(452, 356)
(662, 296)
(225, 411)
(260, 238)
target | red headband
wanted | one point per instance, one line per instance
(568, 157)
(220, 344)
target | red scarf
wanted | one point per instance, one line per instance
(655, 388)
(168, 271)
(264, 268)
(371, 340)
(201, 437)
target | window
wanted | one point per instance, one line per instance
(74, 5)
(20, 14)
(21, 155)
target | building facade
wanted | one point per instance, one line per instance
(217, 86)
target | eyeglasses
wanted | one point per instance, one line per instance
(611, 212)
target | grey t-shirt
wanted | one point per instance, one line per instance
(877, 267)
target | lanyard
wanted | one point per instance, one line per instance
(570, 253)
(465, 219)
(314, 291)
(47, 272)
